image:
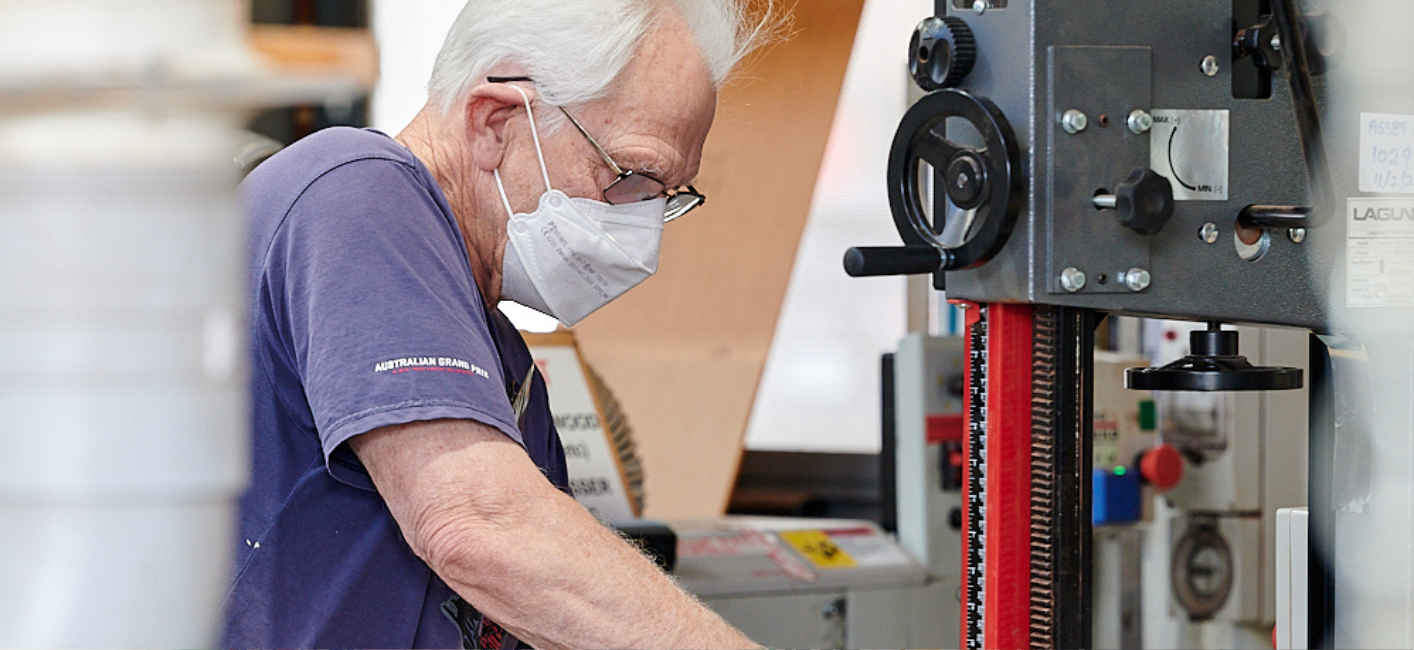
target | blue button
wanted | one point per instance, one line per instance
(1117, 497)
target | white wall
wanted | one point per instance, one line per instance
(409, 33)
(820, 389)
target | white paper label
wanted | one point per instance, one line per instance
(1386, 153)
(1190, 148)
(593, 469)
(1379, 253)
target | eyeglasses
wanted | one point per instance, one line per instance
(630, 186)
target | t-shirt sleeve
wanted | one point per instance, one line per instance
(381, 317)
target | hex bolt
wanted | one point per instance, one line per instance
(1276, 42)
(1296, 235)
(981, 6)
(1210, 65)
(1136, 279)
(1074, 121)
(1072, 279)
(1140, 122)
(1209, 233)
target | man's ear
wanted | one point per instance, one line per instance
(487, 110)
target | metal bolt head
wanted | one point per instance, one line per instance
(1140, 122)
(1209, 233)
(1210, 66)
(1074, 121)
(1072, 279)
(981, 6)
(1276, 42)
(1296, 235)
(1137, 279)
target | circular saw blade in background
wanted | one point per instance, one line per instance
(620, 434)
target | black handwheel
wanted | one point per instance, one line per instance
(981, 183)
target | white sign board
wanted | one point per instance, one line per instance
(1387, 153)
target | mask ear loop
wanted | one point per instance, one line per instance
(540, 153)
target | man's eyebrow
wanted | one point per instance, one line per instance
(652, 165)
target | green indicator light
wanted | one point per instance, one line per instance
(1120, 470)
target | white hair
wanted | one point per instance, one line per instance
(575, 49)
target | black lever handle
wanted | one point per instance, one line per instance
(1296, 58)
(864, 262)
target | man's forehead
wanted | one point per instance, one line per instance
(664, 94)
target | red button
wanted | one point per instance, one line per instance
(1162, 467)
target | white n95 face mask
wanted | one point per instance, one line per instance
(572, 256)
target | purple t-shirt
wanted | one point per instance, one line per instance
(365, 314)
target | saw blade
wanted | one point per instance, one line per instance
(1043, 485)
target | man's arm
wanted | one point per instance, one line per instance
(477, 510)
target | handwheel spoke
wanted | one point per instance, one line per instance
(956, 227)
(935, 149)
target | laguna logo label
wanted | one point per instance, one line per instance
(1383, 214)
(434, 364)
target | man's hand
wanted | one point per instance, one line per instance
(477, 510)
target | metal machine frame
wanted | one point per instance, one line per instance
(1145, 158)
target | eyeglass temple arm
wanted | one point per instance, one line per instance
(602, 154)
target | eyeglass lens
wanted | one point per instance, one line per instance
(632, 188)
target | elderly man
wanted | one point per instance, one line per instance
(408, 487)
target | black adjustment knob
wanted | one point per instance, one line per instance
(1260, 42)
(941, 52)
(1144, 201)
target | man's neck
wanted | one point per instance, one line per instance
(436, 141)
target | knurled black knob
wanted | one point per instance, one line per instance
(1144, 201)
(941, 52)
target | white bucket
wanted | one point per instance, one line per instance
(123, 406)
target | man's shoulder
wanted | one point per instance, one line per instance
(351, 161)
(306, 160)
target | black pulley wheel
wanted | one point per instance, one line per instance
(984, 182)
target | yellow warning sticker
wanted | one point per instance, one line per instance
(817, 547)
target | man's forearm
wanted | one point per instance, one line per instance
(600, 591)
(471, 504)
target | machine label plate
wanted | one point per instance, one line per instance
(1190, 148)
(1379, 253)
(1387, 153)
